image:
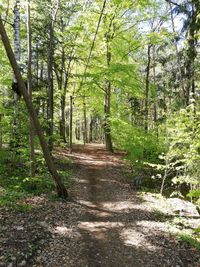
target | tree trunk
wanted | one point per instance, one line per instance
(50, 86)
(183, 95)
(91, 129)
(63, 104)
(155, 97)
(147, 89)
(85, 135)
(22, 88)
(107, 129)
(17, 53)
(70, 124)
(29, 84)
(191, 54)
(1, 132)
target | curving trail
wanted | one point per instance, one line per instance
(107, 225)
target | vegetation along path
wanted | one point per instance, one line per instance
(109, 225)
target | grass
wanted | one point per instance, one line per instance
(190, 240)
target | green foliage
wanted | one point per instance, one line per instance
(16, 184)
(139, 144)
(182, 157)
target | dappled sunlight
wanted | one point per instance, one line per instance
(99, 230)
(120, 206)
(87, 203)
(147, 225)
(93, 154)
(81, 181)
(132, 237)
(66, 232)
(99, 213)
(63, 230)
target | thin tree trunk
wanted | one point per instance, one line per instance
(191, 55)
(70, 124)
(85, 135)
(91, 128)
(22, 88)
(1, 132)
(50, 76)
(50, 86)
(155, 100)
(146, 124)
(63, 100)
(29, 84)
(177, 54)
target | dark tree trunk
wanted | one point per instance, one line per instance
(29, 85)
(15, 142)
(50, 86)
(191, 52)
(91, 129)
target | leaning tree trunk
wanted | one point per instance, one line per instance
(22, 88)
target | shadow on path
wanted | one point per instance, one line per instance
(108, 225)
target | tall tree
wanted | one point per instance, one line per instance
(29, 85)
(53, 14)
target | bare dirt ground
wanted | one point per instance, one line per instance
(106, 224)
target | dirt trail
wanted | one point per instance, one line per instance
(108, 225)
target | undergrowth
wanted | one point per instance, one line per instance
(16, 184)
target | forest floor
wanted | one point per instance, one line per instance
(106, 223)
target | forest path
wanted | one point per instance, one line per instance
(107, 225)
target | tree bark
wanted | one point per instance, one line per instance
(147, 89)
(91, 129)
(50, 86)
(29, 84)
(70, 124)
(107, 129)
(59, 184)
(85, 134)
(17, 53)
(177, 56)
(191, 52)
(155, 97)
